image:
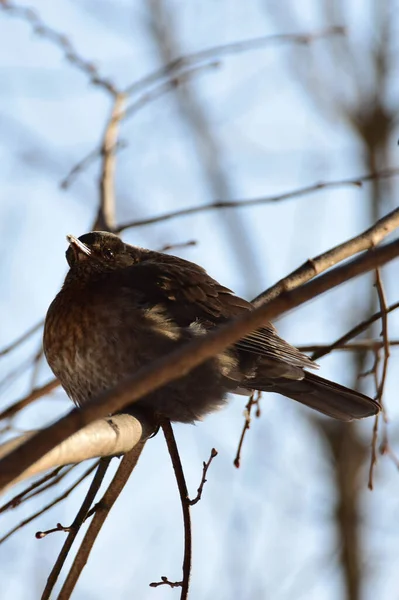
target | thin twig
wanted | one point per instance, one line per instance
(185, 358)
(165, 581)
(373, 370)
(373, 458)
(55, 480)
(21, 339)
(205, 467)
(103, 508)
(169, 247)
(368, 239)
(76, 525)
(185, 505)
(247, 424)
(360, 345)
(129, 112)
(340, 342)
(12, 410)
(22, 496)
(176, 66)
(16, 373)
(51, 504)
(385, 335)
(232, 204)
(36, 367)
(380, 385)
(61, 41)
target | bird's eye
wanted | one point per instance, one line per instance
(108, 254)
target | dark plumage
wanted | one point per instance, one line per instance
(122, 307)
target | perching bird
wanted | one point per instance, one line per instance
(122, 307)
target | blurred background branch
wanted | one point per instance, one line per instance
(309, 96)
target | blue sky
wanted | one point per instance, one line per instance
(267, 529)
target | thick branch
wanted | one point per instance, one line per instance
(106, 437)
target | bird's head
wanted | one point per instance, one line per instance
(99, 250)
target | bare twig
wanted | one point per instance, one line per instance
(169, 247)
(21, 339)
(59, 527)
(106, 437)
(373, 370)
(12, 410)
(51, 504)
(229, 204)
(76, 525)
(21, 369)
(36, 367)
(129, 112)
(185, 358)
(165, 581)
(205, 467)
(103, 508)
(352, 333)
(106, 220)
(373, 458)
(35, 487)
(380, 385)
(368, 239)
(176, 66)
(384, 333)
(185, 505)
(360, 345)
(60, 40)
(254, 400)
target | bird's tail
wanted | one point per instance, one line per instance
(325, 396)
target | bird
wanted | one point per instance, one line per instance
(122, 307)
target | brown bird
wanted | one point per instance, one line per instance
(122, 307)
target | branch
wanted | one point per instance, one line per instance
(35, 488)
(384, 334)
(359, 346)
(107, 437)
(368, 239)
(58, 39)
(128, 463)
(129, 112)
(352, 333)
(48, 506)
(190, 355)
(174, 67)
(185, 505)
(21, 339)
(10, 411)
(380, 385)
(224, 204)
(105, 220)
(75, 527)
(205, 467)
(247, 424)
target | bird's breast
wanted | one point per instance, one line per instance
(93, 341)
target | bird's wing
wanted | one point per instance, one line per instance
(189, 295)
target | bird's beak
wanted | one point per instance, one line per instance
(80, 250)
